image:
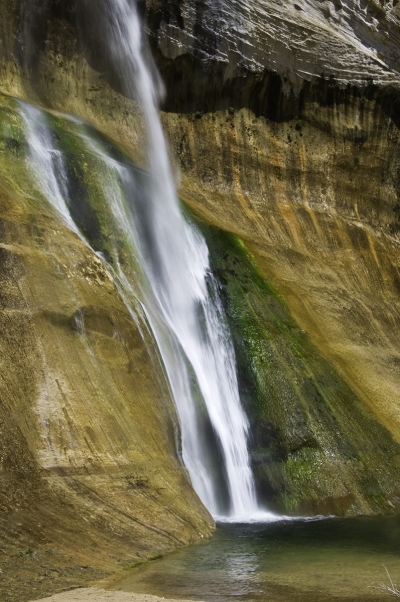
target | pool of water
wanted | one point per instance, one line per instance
(298, 561)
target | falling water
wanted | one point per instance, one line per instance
(181, 298)
(46, 161)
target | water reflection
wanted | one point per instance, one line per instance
(326, 560)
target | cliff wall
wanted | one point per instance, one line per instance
(299, 103)
(90, 476)
(283, 123)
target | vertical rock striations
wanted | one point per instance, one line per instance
(283, 119)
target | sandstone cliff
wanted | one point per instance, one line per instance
(283, 120)
(89, 470)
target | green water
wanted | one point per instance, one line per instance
(331, 559)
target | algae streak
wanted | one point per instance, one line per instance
(315, 446)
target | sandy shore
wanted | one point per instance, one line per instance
(92, 594)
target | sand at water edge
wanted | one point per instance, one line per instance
(92, 594)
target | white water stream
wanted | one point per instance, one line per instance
(181, 299)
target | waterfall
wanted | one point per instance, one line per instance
(179, 293)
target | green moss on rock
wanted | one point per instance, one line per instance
(315, 446)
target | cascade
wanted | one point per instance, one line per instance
(178, 292)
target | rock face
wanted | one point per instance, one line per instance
(300, 108)
(262, 55)
(89, 467)
(316, 201)
(315, 447)
(355, 42)
(283, 120)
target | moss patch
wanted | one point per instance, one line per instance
(315, 446)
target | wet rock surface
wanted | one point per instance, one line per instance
(316, 449)
(89, 472)
(283, 120)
